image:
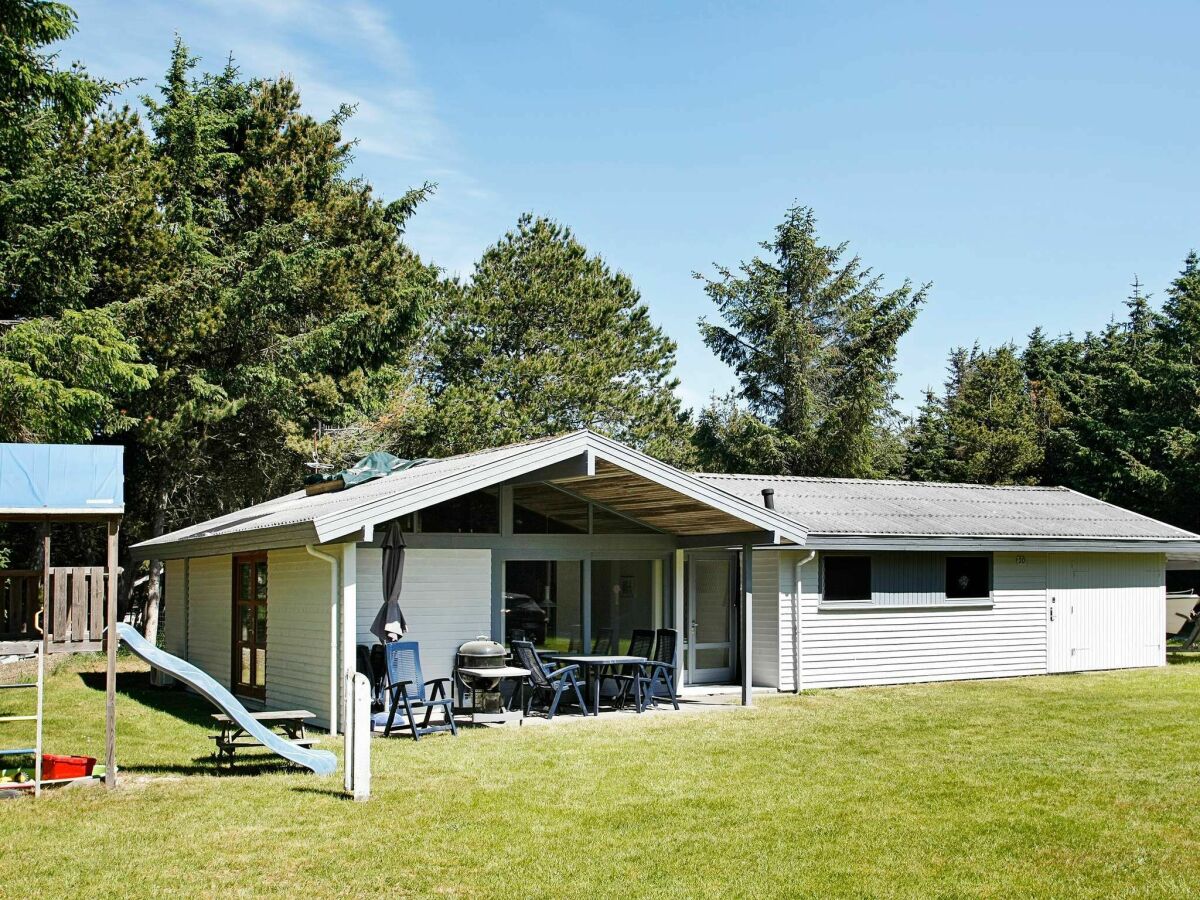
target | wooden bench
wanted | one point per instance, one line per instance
(288, 722)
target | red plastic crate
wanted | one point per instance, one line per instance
(66, 766)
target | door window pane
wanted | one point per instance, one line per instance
(244, 612)
(543, 603)
(260, 590)
(624, 595)
(245, 677)
(245, 575)
(712, 658)
(713, 601)
(542, 509)
(260, 632)
(260, 667)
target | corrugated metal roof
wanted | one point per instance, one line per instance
(841, 506)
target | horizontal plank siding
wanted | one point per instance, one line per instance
(446, 597)
(298, 638)
(174, 638)
(765, 628)
(842, 648)
(210, 613)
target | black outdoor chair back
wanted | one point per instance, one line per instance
(404, 664)
(527, 658)
(641, 643)
(602, 643)
(664, 650)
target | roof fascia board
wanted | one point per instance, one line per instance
(1028, 545)
(237, 542)
(699, 490)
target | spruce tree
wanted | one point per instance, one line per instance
(812, 336)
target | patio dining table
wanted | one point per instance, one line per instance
(593, 666)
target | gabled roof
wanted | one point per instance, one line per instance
(649, 490)
(853, 507)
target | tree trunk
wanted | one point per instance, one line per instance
(154, 584)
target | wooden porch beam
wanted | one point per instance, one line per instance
(725, 539)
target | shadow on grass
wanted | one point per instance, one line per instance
(1183, 657)
(136, 686)
(248, 767)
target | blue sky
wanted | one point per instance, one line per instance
(1026, 158)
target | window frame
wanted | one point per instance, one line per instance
(869, 600)
(978, 598)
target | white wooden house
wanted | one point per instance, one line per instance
(575, 540)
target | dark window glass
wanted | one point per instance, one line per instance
(605, 522)
(847, 578)
(968, 577)
(475, 513)
(541, 509)
(543, 603)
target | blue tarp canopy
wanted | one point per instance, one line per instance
(61, 479)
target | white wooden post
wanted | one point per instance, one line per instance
(679, 584)
(748, 625)
(359, 763)
(349, 629)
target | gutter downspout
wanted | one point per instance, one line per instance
(334, 593)
(796, 621)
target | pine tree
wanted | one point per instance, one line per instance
(546, 338)
(812, 337)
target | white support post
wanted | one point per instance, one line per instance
(679, 585)
(349, 640)
(359, 762)
(748, 625)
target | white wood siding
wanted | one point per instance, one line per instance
(298, 638)
(881, 646)
(446, 598)
(1106, 611)
(765, 626)
(210, 611)
(174, 638)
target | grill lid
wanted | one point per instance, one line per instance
(483, 649)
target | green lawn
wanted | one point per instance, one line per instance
(1056, 786)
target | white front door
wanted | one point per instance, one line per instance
(710, 624)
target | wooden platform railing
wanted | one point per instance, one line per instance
(20, 599)
(73, 616)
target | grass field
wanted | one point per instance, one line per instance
(1057, 786)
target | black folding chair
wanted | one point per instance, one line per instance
(407, 691)
(641, 643)
(540, 683)
(661, 670)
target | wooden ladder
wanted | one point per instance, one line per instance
(38, 652)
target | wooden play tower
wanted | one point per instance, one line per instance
(60, 609)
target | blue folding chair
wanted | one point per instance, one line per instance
(407, 691)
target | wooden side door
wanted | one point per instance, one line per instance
(249, 677)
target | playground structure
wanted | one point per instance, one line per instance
(58, 609)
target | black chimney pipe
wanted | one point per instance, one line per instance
(769, 498)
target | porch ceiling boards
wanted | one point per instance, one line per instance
(650, 502)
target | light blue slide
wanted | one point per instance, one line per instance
(320, 761)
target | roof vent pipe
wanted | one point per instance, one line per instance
(769, 498)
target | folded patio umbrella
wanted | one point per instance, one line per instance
(389, 624)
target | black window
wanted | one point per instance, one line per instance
(474, 513)
(847, 578)
(968, 577)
